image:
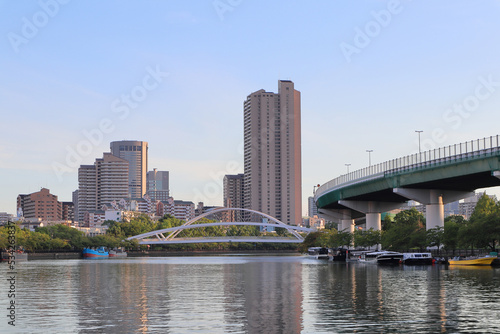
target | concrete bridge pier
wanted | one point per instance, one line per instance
(340, 216)
(372, 210)
(434, 200)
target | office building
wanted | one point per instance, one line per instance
(157, 185)
(136, 153)
(272, 148)
(103, 182)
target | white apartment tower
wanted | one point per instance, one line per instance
(272, 141)
(136, 153)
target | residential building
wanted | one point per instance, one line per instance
(157, 187)
(272, 153)
(312, 209)
(182, 210)
(74, 197)
(103, 182)
(233, 196)
(40, 205)
(136, 153)
(68, 211)
(5, 217)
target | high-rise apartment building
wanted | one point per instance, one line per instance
(105, 181)
(40, 205)
(272, 140)
(136, 153)
(233, 195)
(312, 209)
(157, 185)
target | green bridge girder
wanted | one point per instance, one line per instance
(465, 174)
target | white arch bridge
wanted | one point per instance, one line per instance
(171, 235)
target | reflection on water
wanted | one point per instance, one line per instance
(250, 294)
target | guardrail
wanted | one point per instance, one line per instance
(457, 152)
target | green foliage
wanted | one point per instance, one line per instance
(367, 238)
(406, 232)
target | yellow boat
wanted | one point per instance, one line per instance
(475, 261)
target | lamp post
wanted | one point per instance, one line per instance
(347, 165)
(419, 132)
(369, 157)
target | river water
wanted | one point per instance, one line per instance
(247, 294)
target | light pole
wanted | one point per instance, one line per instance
(347, 165)
(419, 132)
(369, 157)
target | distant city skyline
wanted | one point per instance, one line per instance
(371, 74)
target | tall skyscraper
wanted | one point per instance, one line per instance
(136, 153)
(272, 139)
(157, 185)
(101, 183)
(233, 195)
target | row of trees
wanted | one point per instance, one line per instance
(407, 231)
(62, 237)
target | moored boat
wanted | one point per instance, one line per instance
(99, 252)
(16, 256)
(338, 254)
(473, 261)
(320, 253)
(117, 252)
(388, 257)
(381, 257)
(417, 258)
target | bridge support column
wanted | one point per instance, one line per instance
(338, 216)
(373, 221)
(347, 225)
(434, 200)
(372, 209)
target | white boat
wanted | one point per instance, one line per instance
(320, 253)
(417, 258)
(381, 257)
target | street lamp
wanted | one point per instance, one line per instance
(314, 189)
(347, 165)
(369, 157)
(419, 132)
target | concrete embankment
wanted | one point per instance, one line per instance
(52, 256)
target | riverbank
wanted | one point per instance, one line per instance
(160, 253)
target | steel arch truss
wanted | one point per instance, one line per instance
(169, 235)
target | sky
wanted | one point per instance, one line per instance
(77, 75)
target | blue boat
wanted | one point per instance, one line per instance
(99, 252)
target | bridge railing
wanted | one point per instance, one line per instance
(456, 152)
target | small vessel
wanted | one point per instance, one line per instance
(99, 252)
(381, 257)
(117, 252)
(417, 258)
(14, 256)
(388, 257)
(473, 260)
(320, 253)
(339, 254)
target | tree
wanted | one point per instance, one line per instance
(407, 231)
(485, 221)
(452, 226)
(435, 237)
(367, 238)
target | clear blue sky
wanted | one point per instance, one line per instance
(370, 74)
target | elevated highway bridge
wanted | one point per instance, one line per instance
(433, 178)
